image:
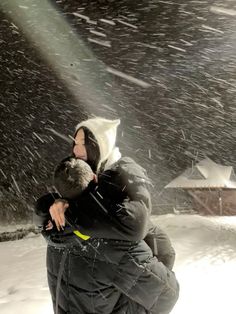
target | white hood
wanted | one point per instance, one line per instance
(104, 131)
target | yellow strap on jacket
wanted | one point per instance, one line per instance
(81, 235)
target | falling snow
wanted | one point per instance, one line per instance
(127, 24)
(222, 10)
(165, 68)
(128, 77)
(104, 43)
(108, 21)
(177, 48)
(97, 33)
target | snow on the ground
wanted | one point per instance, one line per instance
(23, 283)
(12, 228)
(205, 263)
(205, 267)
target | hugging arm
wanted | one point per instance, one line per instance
(119, 206)
(116, 208)
(42, 205)
(160, 244)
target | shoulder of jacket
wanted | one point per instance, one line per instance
(125, 163)
(127, 166)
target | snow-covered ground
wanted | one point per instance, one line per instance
(205, 267)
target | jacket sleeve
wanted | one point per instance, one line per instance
(160, 244)
(99, 218)
(126, 219)
(135, 210)
(42, 205)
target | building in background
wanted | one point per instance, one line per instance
(212, 186)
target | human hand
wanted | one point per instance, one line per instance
(95, 178)
(49, 226)
(57, 212)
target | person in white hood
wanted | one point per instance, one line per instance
(94, 142)
(101, 133)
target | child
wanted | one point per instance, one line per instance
(130, 265)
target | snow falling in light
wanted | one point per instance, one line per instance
(167, 69)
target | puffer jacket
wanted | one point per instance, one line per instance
(98, 273)
(114, 271)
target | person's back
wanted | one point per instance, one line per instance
(123, 265)
(132, 267)
(95, 143)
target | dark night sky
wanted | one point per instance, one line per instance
(185, 50)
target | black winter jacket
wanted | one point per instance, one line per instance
(114, 276)
(126, 216)
(118, 258)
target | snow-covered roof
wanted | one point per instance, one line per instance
(205, 174)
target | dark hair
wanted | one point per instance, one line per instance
(71, 177)
(92, 148)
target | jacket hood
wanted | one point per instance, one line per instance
(104, 131)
